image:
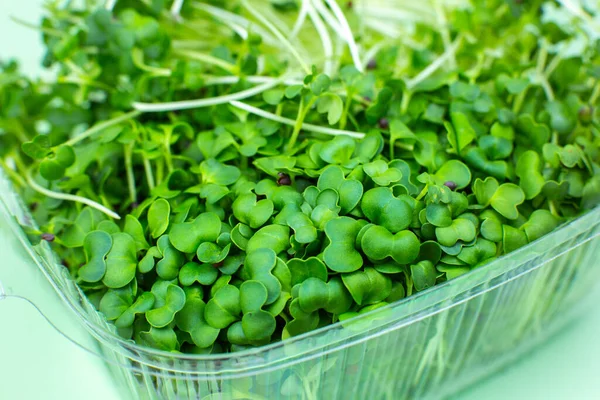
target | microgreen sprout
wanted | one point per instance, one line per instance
(281, 166)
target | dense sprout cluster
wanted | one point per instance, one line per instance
(286, 197)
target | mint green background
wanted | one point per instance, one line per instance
(37, 362)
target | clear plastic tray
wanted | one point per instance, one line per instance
(430, 345)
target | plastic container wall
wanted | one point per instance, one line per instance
(427, 346)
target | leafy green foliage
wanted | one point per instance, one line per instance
(322, 195)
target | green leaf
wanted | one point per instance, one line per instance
(439, 215)
(134, 229)
(142, 304)
(204, 274)
(121, 261)
(338, 151)
(51, 170)
(116, 301)
(301, 270)
(381, 207)
(259, 266)
(464, 91)
(212, 253)
(172, 260)
(341, 255)
(561, 120)
(257, 325)
(540, 223)
(320, 84)
(460, 229)
(251, 212)
(479, 252)
(191, 319)
(275, 164)
(292, 91)
(38, 148)
(435, 113)
(534, 134)
(381, 173)
(528, 170)
(158, 217)
(591, 193)
(223, 308)
(512, 238)
(274, 237)
(506, 199)
(485, 190)
(454, 171)
(350, 191)
(273, 96)
(460, 132)
(367, 286)
(96, 245)
(331, 104)
(188, 236)
(423, 275)
(174, 302)
(313, 294)
(496, 148)
(378, 243)
(570, 156)
(215, 172)
(398, 130)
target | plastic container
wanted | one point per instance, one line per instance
(430, 345)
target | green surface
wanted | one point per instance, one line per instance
(38, 362)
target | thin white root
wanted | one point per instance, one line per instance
(329, 19)
(434, 66)
(348, 36)
(325, 38)
(199, 103)
(277, 34)
(292, 122)
(176, 9)
(235, 21)
(69, 197)
(110, 4)
(300, 20)
(231, 80)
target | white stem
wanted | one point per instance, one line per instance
(391, 31)
(325, 38)
(243, 33)
(277, 34)
(69, 197)
(300, 20)
(399, 14)
(547, 89)
(234, 20)
(199, 103)
(207, 58)
(110, 4)
(176, 9)
(434, 66)
(330, 19)
(292, 122)
(444, 31)
(101, 126)
(349, 37)
(576, 10)
(231, 80)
